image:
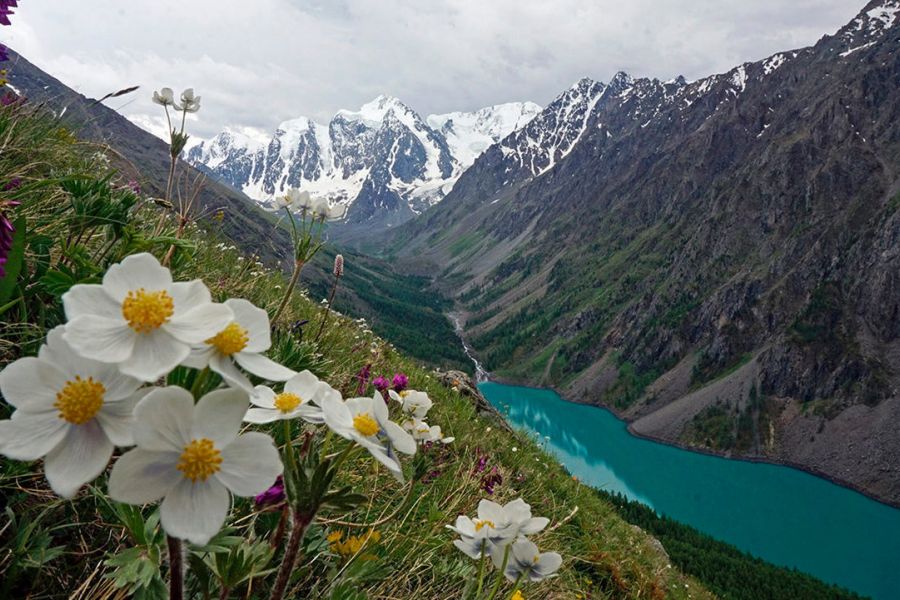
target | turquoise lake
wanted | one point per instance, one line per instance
(777, 513)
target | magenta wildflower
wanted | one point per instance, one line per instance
(5, 6)
(491, 480)
(400, 382)
(480, 464)
(4, 53)
(272, 496)
(363, 377)
(6, 240)
(381, 383)
(134, 186)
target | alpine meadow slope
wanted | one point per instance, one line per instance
(717, 261)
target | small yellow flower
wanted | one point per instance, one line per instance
(517, 596)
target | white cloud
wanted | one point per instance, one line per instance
(256, 64)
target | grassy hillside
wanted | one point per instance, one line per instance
(79, 217)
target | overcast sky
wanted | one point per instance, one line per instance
(258, 63)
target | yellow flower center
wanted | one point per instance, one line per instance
(199, 460)
(404, 393)
(286, 401)
(230, 340)
(80, 400)
(517, 596)
(365, 424)
(146, 311)
(479, 524)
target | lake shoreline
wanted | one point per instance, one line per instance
(699, 450)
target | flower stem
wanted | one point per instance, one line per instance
(298, 264)
(327, 309)
(176, 569)
(298, 530)
(481, 570)
(500, 574)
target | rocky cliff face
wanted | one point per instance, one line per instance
(384, 161)
(718, 260)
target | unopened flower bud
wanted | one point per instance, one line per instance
(339, 265)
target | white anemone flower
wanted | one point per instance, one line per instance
(69, 410)
(164, 97)
(192, 456)
(242, 341)
(294, 199)
(495, 526)
(526, 562)
(365, 421)
(189, 102)
(414, 404)
(302, 397)
(422, 432)
(139, 319)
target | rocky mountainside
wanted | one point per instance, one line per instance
(384, 161)
(717, 261)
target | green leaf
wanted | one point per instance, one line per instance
(14, 263)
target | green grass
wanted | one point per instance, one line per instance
(56, 549)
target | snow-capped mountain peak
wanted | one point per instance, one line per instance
(382, 158)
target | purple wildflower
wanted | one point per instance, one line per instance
(400, 382)
(4, 53)
(134, 186)
(490, 480)
(339, 265)
(381, 383)
(12, 184)
(481, 464)
(363, 377)
(272, 496)
(6, 240)
(8, 98)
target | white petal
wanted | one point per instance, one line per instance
(337, 416)
(155, 354)
(325, 391)
(135, 272)
(199, 357)
(250, 464)
(117, 419)
(195, 511)
(218, 416)
(471, 547)
(199, 323)
(189, 294)
(142, 476)
(359, 406)
(224, 366)
(380, 409)
(163, 420)
(533, 525)
(547, 564)
(310, 414)
(99, 338)
(90, 299)
(262, 415)
(60, 354)
(382, 456)
(304, 384)
(31, 384)
(80, 458)
(263, 396)
(31, 436)
(255, 320)
(402, 441)
(263, 367)
(491, 511)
